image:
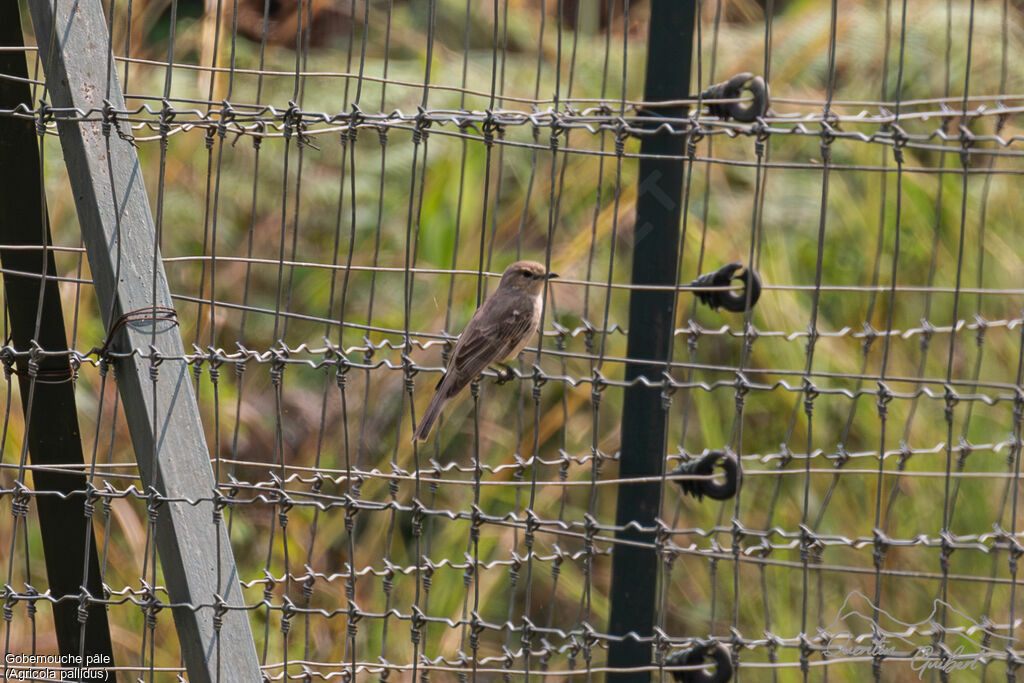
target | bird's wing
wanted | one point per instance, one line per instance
(484, 343)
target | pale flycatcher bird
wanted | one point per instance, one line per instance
(497, 331)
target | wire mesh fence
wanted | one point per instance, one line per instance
(336, 187)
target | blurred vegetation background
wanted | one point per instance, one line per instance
(465, 207)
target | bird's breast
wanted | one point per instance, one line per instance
(538, 304)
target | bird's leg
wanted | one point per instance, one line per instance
(506, 373)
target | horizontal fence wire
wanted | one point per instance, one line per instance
(332, 208)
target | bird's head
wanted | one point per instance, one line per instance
(528, 276)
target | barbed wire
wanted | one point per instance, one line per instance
(257, 121)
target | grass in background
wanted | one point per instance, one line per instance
(514, 222)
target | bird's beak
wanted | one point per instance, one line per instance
(551, 276)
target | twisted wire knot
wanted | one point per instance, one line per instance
(8, 610)
(951, 399)
(881, 546)
(155, 360)
(220, 610)
(691, 147)
(668, 388)
(91, 494)
(899, 141)
(44, 116)
(810, 393)
(427, 576)
(827, 138)
(489, 127)
(197, 366)
(354, 615)
(167, 115)
(82, 612)
(418, 622)
(7, 358)
(287, 611)
(539, 380)
(20, 500)
(885, 397)
(621, 133)
(154, 501)
(227, 116)
(150, 606)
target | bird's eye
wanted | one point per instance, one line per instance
(527, 273)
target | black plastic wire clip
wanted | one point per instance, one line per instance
(732, 89)
(695, 655)
(705, 465)
(728, 299)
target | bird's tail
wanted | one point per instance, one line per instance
(431, 414)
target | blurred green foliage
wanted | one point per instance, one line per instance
(227, 198)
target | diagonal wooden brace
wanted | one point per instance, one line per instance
(162, 414)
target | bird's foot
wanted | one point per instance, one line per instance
(505, 374)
